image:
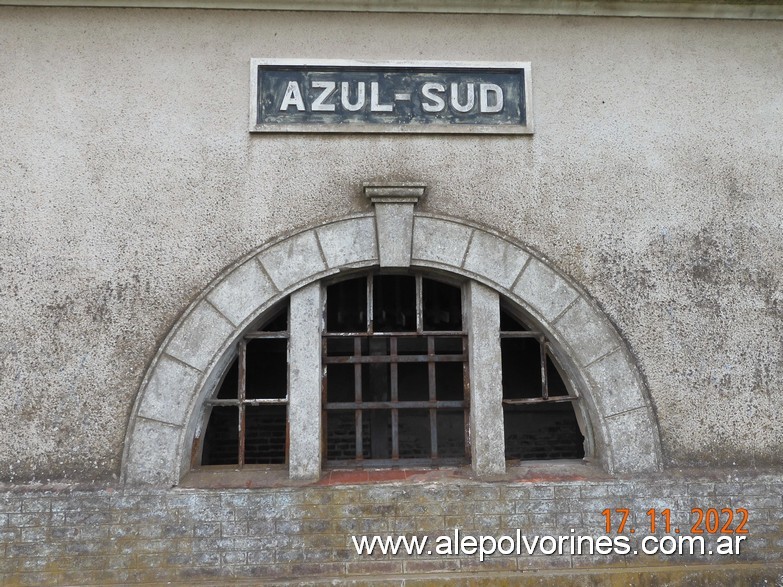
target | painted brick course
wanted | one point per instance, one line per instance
(110, 535)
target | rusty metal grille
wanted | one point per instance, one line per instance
(395, 391)
(254, 394)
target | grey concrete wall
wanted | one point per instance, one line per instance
(129, 181)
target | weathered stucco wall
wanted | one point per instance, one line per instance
(129, 181)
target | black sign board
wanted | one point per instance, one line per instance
(354, 96)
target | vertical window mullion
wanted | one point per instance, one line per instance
(419, 305)
(370, 305)
(242, 381)
(486, 381)
(305, 376)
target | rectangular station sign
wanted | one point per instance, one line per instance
(415, 97)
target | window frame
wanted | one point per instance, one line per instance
(256, 331)
(394, 404)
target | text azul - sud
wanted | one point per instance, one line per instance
(328, 96)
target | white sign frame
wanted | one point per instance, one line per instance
(415, 128)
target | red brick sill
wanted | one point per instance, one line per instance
(251, 477)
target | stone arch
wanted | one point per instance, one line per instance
(623, 429)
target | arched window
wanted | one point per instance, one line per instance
(395, 387)
(556, 359)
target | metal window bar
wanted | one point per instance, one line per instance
(395, 423)
(353, 359)
(438, 333)
(466, 397)
(432, 396)
(357, 381)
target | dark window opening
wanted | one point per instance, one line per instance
(394, 303)
(539, 417)
(395, 390)
(349, 312)
(221, 440)
(247, 418)
(543, 431)
(395, 384)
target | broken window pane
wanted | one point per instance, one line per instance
(521, 360)
(266, 369)
(413, 382)
(346, 310)
(394, 303)
(340, 435)
(442, 306)
(221, 441)
(536, 427)
(414, 434)
(451, 434)
(340, 383)
(230, 386)
(543, 431)
(236, 419)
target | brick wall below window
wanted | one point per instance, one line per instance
(74, 536)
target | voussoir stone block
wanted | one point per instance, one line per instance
(619, 385)
(348, 241)
(201, 335)
(169, 391)
(293, 260)
(440, 241)
(242, 292)
(633, 439)
(495, 258)
(544, 290)
(152, 455)
(587, 333)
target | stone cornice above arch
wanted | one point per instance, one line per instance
(186, 367)
(769, 10)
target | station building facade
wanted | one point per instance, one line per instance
(277, 277)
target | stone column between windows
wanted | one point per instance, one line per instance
(487, 440)
(304, 383)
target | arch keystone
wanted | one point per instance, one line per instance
(394, 220)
